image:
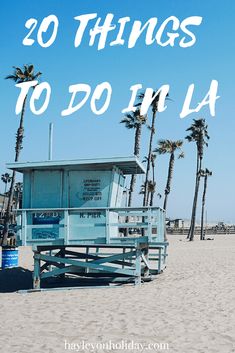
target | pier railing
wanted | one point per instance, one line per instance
(102, 225)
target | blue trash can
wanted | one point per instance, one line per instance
(10, 257)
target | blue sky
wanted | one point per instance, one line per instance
(85, 135)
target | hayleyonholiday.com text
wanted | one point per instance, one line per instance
(171, 32)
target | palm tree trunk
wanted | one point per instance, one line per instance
(147, 200)
(202, 237)
(132, 184)
(189, 232)
(4, 199)
(168, 185)
(149, 158)
(136, 153)
(169, 179)
(194, 208)
(153, 178)
(18, 148)
(151, 198)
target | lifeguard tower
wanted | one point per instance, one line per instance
(74, 219)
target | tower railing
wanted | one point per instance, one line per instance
(104, 225)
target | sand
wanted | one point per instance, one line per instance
(188, 309)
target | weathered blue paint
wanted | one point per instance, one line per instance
(67, 202)
(88, 225)
(79, 203)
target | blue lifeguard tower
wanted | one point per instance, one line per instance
(74, 219)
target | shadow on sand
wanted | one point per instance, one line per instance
(14, 279)
(19, 278)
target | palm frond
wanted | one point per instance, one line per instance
(11, 77)
(23, 75)
(37, 75)
(181, 155)
(30, 70)
(134, 119)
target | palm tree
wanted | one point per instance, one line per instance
(152, 192)
(199, 135)
(154, 106)
(151, 184)
(205, 174)
(134, 121)
(168, 146)
(19, 76)
(6, 178)
(18, 193)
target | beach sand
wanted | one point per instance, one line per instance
(190, 307)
